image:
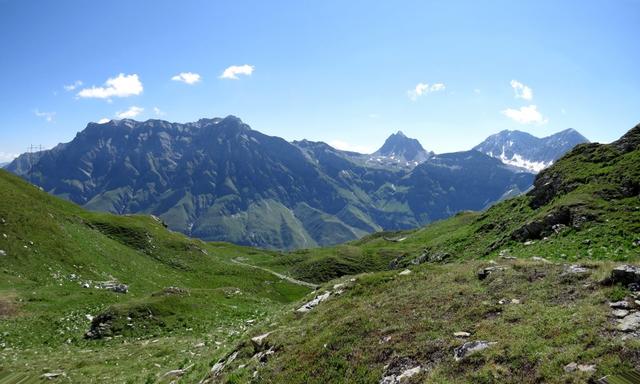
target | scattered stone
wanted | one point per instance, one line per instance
(529, 242)
(586, 242)
(620, 313)
(176, 373)
(633, 287)
(4, 236)
(636, 243)
(53, 375)
(336, 286)
(575, 269)
(623, 304)
(384, 340)
(199, 345)
(264, 355)
(629, 323)
(113, 286)
(625, 275)
(394, 379)
(573, 367)
(470, 348)
(515, 301)
(461, 334)
(485, 272)
(313, 303)
(541, 259)
(260, 342)
(86, 285)
(219, 366)
(3, 253)
(508, 257)
(405, 272)
(557, 228)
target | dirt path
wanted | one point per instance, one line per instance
(280, 275)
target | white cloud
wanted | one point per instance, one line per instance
(104, 120)
(187, 77)
(525, 115)
(158, 111)
(424, 88)
(522, 91)
(72, 87)
(5, 157)
(130, 113)
(344, 146)
(233, 71)
(119, 86)
(48, 116)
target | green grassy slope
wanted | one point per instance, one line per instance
(584, 210)
(53, 248)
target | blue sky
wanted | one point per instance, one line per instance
(350, 73)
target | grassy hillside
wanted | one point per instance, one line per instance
(56, 254)
(541, 306)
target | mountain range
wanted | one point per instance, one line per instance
(527, 152)
(218, 179)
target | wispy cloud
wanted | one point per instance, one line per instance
(73, 86)
(130, 113)
(525, 115)
(119, 86)
(48, 116)
(522, 91)
(344, 146)
(158, 111)
(187, 77)
(233, 71)
(424, 88)
(5, 156)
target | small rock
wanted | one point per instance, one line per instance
(336, 286)
(636, 243)
(575, 269)
(4, 236)
(396, 379)
(620, 313)
(515, 301)
(199, 345)
(542, 259)
(259, 342)
(485, 272)
(625, 274)
(629, 323)
(461, 334)
(573, 367)
(529, 242)
(3, 253)
(176, 372)
(586, 242)
(313, 303)
(405, 272)
(53, 375)
(470, 348)
(623, 304)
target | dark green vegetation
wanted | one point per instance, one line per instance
(541, 316)
(182, 292)
(219, 180)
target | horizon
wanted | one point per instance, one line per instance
(448, 75)
(400, 132)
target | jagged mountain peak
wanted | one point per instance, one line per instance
(399, 145)
(528, 152)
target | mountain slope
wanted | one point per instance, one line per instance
(528, 152)
(57, 261)
(522, 293)
(217, 179)
(399, 150)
